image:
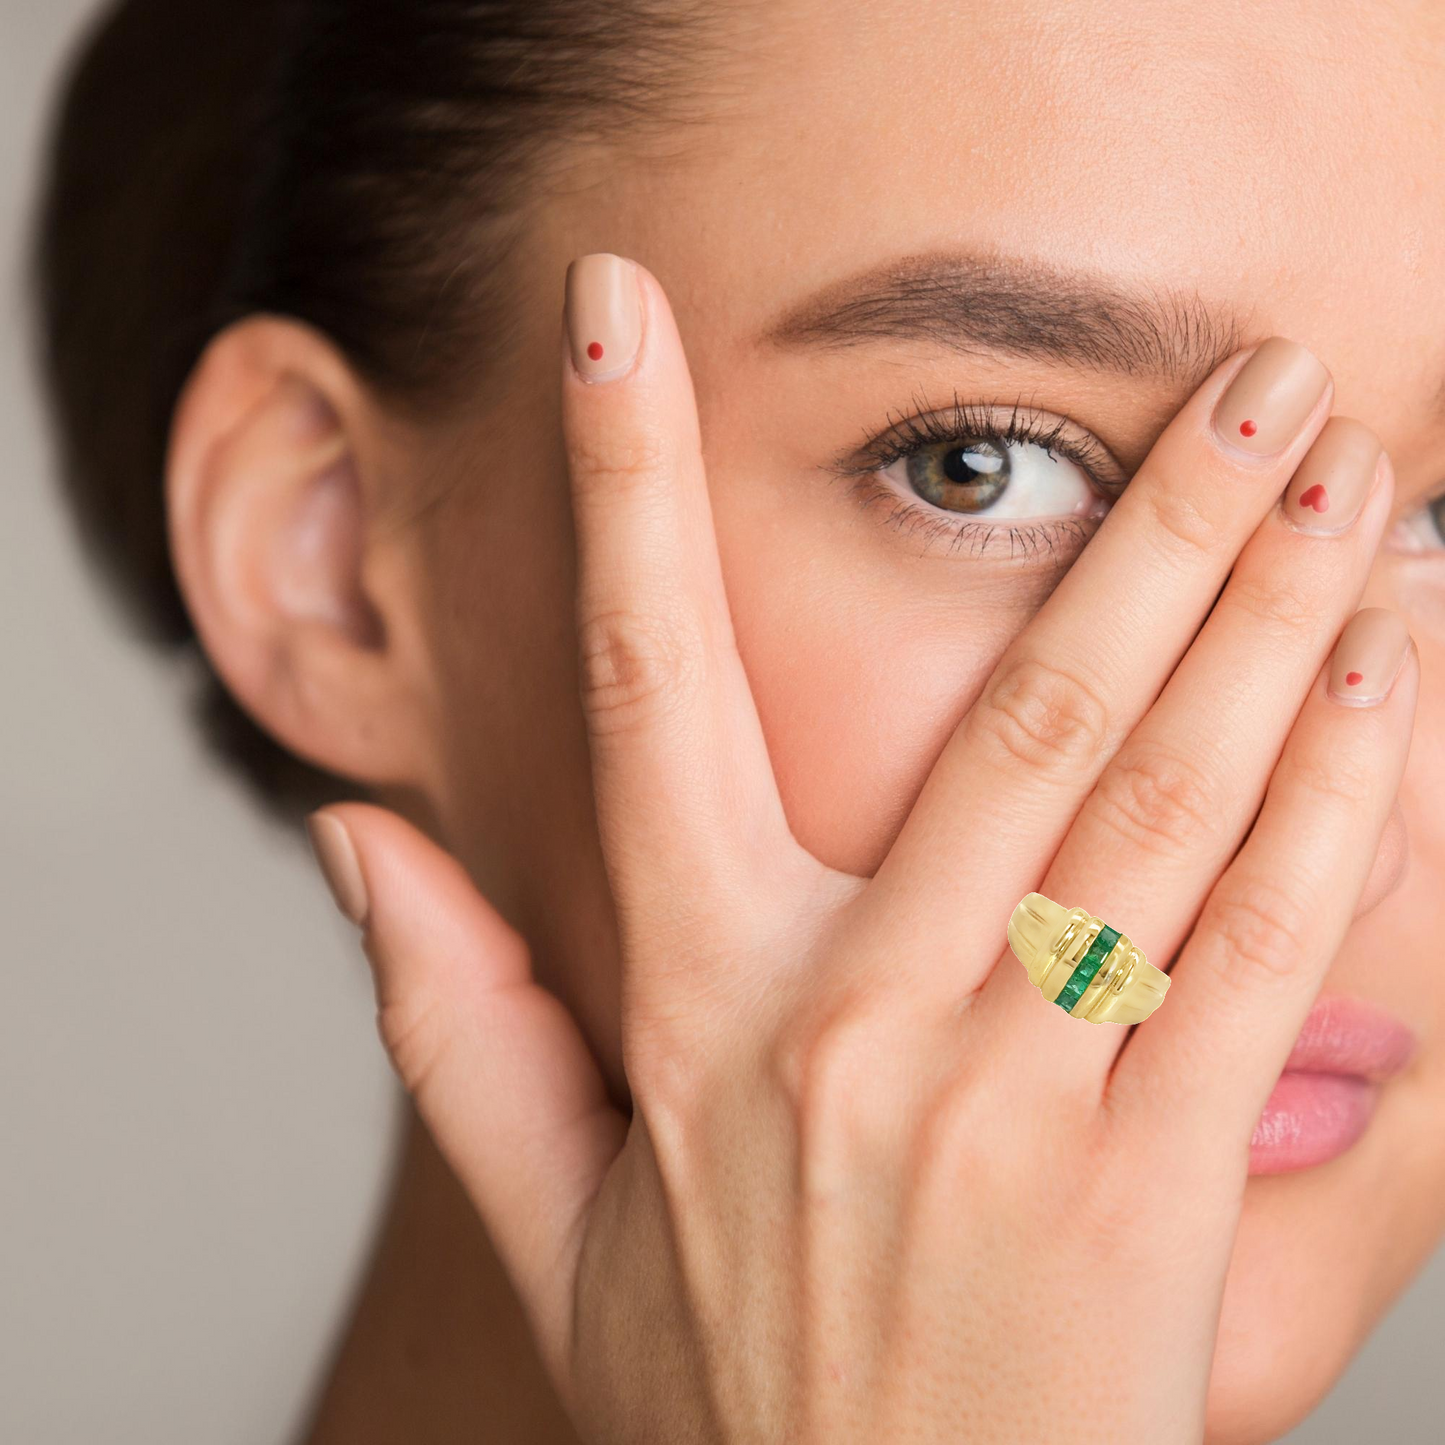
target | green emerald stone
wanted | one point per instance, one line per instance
(1087, 967)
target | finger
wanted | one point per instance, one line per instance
(687, 806)
(1170, 809)
(1240, 990)
(1078, 678)
(499, 1071)
(1391, 862)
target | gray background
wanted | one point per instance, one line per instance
(196, 1121)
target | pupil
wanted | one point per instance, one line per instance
(977, 462)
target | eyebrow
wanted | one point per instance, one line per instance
(1017, 307)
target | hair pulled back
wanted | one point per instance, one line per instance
(366, 166)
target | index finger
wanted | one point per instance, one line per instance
(691, 822)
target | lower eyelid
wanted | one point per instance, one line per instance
(1023, 540)
(1417, 533)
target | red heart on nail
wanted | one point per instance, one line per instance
(1354, 677)
(1315, 497)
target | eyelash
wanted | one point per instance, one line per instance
(958, 422)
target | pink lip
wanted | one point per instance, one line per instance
(1325, 1097)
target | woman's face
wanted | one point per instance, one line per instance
(1076, 208)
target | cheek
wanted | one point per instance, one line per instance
(1304, 1283)
(858, 689)
(1318, 1257)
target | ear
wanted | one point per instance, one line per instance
(299, 599)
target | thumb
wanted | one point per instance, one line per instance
(499, 1070)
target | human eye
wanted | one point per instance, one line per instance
(995, 478)
(1422, 530)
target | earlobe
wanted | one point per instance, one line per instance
(268, 519)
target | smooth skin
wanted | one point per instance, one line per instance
(870, 1187)
(395, 598)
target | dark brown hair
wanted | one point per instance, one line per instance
(368, 167)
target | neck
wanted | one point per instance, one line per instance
(437, 1350)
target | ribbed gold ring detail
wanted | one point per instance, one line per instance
(1078, 962)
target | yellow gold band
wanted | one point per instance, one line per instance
(1078, 962)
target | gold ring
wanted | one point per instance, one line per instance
(1078, 962)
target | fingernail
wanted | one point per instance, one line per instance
(1368, 656)
(1270, 399)
(1328, 490)
(604, 315)
(336, 854)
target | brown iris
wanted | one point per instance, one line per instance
(968, 476)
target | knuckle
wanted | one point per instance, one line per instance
(661, 1054)
(1282, 603)
(415, 1038)
(1129, 1225)
(810, 1055)
(632, 666)
(1187, 528)
(1334, 775)
(1097, 1208)
(827, 1068)
(1260, 928)
(668, 1084)
(1041, 715)
(959, 1136)
(1149, 794)
(617, 464)
(956, 1133)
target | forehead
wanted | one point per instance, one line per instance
(1287, 160)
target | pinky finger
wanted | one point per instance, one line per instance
(499, 1071)
(1204, 1065)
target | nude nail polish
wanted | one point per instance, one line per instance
(1330, 485)
(604, 315)
(1368, 656)
(336, 855)
(1271, 398)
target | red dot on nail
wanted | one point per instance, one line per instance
(1354, 678)
(1247, 428)
(595, 351)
